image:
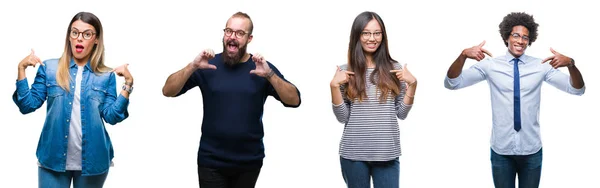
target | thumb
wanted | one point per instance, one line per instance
(32, 52)
(210, 66)
(253, 72)
(405, 67)
(552, 50)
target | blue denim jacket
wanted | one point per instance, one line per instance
(99, 102)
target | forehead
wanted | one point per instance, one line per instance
(520, 29)
(373, 25)
(238, 23)
(82, 26)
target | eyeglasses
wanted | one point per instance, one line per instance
(87, 34)
(238, 33)
(367, 35)
(516, 36)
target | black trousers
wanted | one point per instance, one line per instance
(227, 178)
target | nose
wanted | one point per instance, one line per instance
(372, 37)
(520, 40)
(232, 36)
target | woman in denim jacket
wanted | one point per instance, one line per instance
(81, 95)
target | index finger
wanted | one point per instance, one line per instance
(548, 58)
(37, 60)
(349, 72)
(486, 52)
(396, 70)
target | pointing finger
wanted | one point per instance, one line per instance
(548, 58)
(486, 52)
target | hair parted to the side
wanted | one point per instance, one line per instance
(244, 15)
(357, 62)
(97, 54)
(515, 19)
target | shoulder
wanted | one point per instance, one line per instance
(488, 61)
(49, 68)
(396, 65)
(343, 66)
(531, 59)
(51, 63)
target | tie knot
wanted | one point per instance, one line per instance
(516, 60)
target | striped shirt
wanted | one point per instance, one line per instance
(371, 129)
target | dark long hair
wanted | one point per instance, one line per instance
(357, 62)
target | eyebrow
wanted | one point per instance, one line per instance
(74, 28)
(519, 34)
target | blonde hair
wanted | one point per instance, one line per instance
(97, 55)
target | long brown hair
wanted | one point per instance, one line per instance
(386, 82)
(96, 59)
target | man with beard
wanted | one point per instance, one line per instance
(234, 86)
(515, 81)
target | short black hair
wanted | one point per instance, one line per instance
(515, 19)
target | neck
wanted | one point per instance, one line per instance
(81, 62)
(245, 58)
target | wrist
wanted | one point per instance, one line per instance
(414, 83)
(191, 67)
(127, 88)
(463, 54)
(129, 82)
(334, 85)
(572, 64)
(270, 74)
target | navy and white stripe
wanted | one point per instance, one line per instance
(371, 128)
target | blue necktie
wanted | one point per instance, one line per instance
(517, 96)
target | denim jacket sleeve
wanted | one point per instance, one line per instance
(28, 100)
(114, 108)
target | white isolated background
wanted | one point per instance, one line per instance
(445, 140)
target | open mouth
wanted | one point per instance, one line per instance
(232, 46)
(79, 48)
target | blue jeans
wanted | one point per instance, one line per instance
(357, 174)
(506, 167)
(51, 179)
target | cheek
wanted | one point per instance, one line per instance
(88, 45)
(363, 42)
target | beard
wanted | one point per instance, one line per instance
(233, 59)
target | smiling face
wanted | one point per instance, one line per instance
(370, 38)
(82, 39)
(518, 40)
(235, 39)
